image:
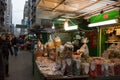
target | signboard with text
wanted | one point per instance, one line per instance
(105, 16)
(21, 26)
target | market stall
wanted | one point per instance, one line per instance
(45, 72)
(54, 61)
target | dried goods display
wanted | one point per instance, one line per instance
(38, 52)
(62, 61)
(47, 66)
(113, 51)
(97, 66)
(113, 34)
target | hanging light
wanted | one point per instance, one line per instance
(75, 27)
(67, 27)
(53, 26)
(113, 21)
(66, 24)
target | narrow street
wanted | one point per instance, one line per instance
(20, 67)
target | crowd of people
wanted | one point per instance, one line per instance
(9, 44)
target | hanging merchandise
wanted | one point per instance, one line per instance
(57, 41)
(39, 51)
(77, 42)
(84, 51)
(57, 46)
(59, 49)
(50, 43)
(51, 48)
(68, 49)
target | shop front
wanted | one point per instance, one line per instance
(82, 54)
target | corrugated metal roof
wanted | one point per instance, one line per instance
(73, 8)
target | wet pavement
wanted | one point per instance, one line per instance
(20, 67)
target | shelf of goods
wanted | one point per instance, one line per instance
(73, 66)
(97, 68)
(44, 69)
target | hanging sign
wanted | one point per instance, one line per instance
(105, 16)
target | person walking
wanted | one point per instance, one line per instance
(15, 45)
(1, 65)
(5, 48)
(10, 38)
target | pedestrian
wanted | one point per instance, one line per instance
(5, 49)
(1, 65)
(15, 44)
(10, 38)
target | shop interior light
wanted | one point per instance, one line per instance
(67, 27)
(53, 26)
(61, 19)
(113, 21)
(66, 24)
(75, 27)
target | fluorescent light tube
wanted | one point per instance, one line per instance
(71, 28)
(61, 19)
(103, 23)
(66, 24)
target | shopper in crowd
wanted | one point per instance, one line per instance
(15, 45)
(5, 48)
(10, 38)
(21, 43)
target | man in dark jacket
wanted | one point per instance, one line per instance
(5, 48)
(1, 65)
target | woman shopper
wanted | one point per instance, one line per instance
(5, 48)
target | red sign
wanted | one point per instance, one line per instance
(105, 16)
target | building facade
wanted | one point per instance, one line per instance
(26, 14)
(8, 16)
(32, 12)
(2, 13)
(25, 21)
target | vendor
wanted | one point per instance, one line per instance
(77, 43)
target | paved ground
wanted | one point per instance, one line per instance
(21, 66)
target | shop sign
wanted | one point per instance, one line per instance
(105, 16)
(21, 26)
